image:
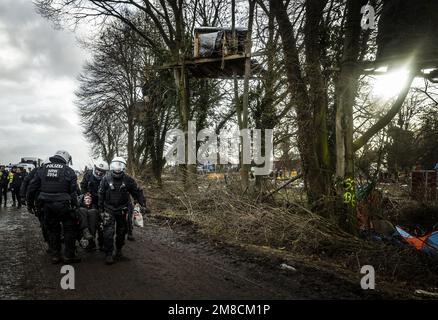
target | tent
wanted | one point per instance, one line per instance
(427, 243)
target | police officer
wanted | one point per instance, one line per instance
(114, 191)
(57, 187)
(90, 186)
(4, 183)
(91, 181)
(17, 179)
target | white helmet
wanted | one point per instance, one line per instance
(118, 166)
(62, 155)
(100, 169)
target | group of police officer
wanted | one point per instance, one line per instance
(101, 206)
(11, 181)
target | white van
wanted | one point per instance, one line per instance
(27, 166)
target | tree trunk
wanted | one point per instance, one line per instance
(244, 168)
(316, 186)
(346, 91)
(266, 114)
(181, 81)
(318, 96)
(131, 155)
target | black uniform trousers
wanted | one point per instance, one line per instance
(16, 195)
(114, 223)
(55, 214)
(130, 214)
(39, 213)
(3, 193)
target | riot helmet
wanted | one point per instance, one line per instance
(118, 167)
(62, 155)
(99, 170)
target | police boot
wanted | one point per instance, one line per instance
(118, 254)
(109, 259)
(13, 203)
(87, 235)
(131, 237)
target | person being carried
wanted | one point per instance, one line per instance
(88, 219)
(90, 185)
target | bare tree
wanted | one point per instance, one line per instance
(109, 86)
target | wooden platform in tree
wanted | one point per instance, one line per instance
(218, 67)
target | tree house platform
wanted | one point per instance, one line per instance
(218, 67)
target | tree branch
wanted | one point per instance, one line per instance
(386, 119)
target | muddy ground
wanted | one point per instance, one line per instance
(167, 261)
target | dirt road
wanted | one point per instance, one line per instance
(166, 262)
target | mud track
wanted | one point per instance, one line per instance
(168, 261)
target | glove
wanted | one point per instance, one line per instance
(105, 216)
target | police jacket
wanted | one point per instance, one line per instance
(17, 180)
(25, 184)
(55, 182)
(114, 192)
(4, 181)
(10, 176)
(90, 184)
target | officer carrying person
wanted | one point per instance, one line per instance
(114, 191)
(56, 186)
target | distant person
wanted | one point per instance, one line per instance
(18, 176)
(4, 183)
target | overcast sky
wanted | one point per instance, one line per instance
(38, 70)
